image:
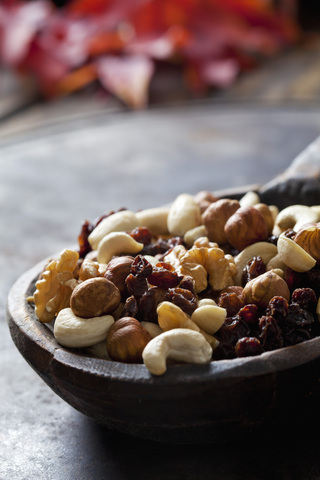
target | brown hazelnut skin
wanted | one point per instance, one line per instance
(244, 227)
(94, 297)
(267, 215)
(261, 289)
(117, 271)
(204, 199)
(126, 340)
(215, 217)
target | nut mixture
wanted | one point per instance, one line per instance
(203, 279)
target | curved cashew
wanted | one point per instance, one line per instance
(276, 263)
(293, 255)
(116, 243)
(209, 318)
(265, 250)
(249, 199)
(155, 219)
(75, 332)
(117, 222)
(295, 216)
(182, 345)
(184, 214)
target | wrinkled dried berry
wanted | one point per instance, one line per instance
(141, 235)
(187, 283)
(163, 278)
(148, 304)
(310, 279)
(130, 308)
(305, 297)
(231, 302)
(161, 246)
(233, 329)
(224, 351)
(249, 313)
(270, 333)
(277, 308)
(248, 347)
(84, 245)
(136, 281)
(183, 298)
(253, 269)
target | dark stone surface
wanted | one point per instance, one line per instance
(53, 178)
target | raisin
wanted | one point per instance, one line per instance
(248, 347)
(305, 297)
(161, 246)
(249, 313)
(183, 298)
(141, 235)
(148, 304)
(232, 329)
(84, 245)
(231, 302)
(253, 269)
(277, 308)
(224, 351)
(136, 281)
(163, 278)
(187, 283)
(130, 308)
(270, 333)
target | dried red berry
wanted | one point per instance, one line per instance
(248, 347)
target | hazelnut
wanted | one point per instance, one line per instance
(215, 217)
(126, 340)
(94, 297)
(308, 238)
(267, 215)
(117, 271)
(204, 199)
(245, 227)
(261, 289)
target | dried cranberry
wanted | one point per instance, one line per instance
(187, 283)
(161, 246)
(248, 347)
(183, 298)
(310, 279)
(270, 333)
(253, 269)
(277, 308)
(141, 235)
(249, 313)
(305, 297)
(231, 302)
(84, 245)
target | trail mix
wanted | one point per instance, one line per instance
(202, 279)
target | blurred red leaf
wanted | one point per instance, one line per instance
(119, 42)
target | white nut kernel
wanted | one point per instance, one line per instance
(249, 199)
(192, 235)
(152, 328)
(295, 216)
(209, 318)
(75, 332)
(184, 214)
(116, 243)
(155, 219)
(293, 255)
(124, 220)
(182, 345)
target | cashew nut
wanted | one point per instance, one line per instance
(295, 216)
(209, 318)
(181, 344)
(206, 301)
(116, 243)
(124, 220)
(194, 234)
(265, 250)
(152, 328)
(75, 332)
(293, 255)
(155, 219)
(249, 199)
(184, 214)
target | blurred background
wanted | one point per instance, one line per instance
(107, 104)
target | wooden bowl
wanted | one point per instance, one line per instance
(190, 403)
